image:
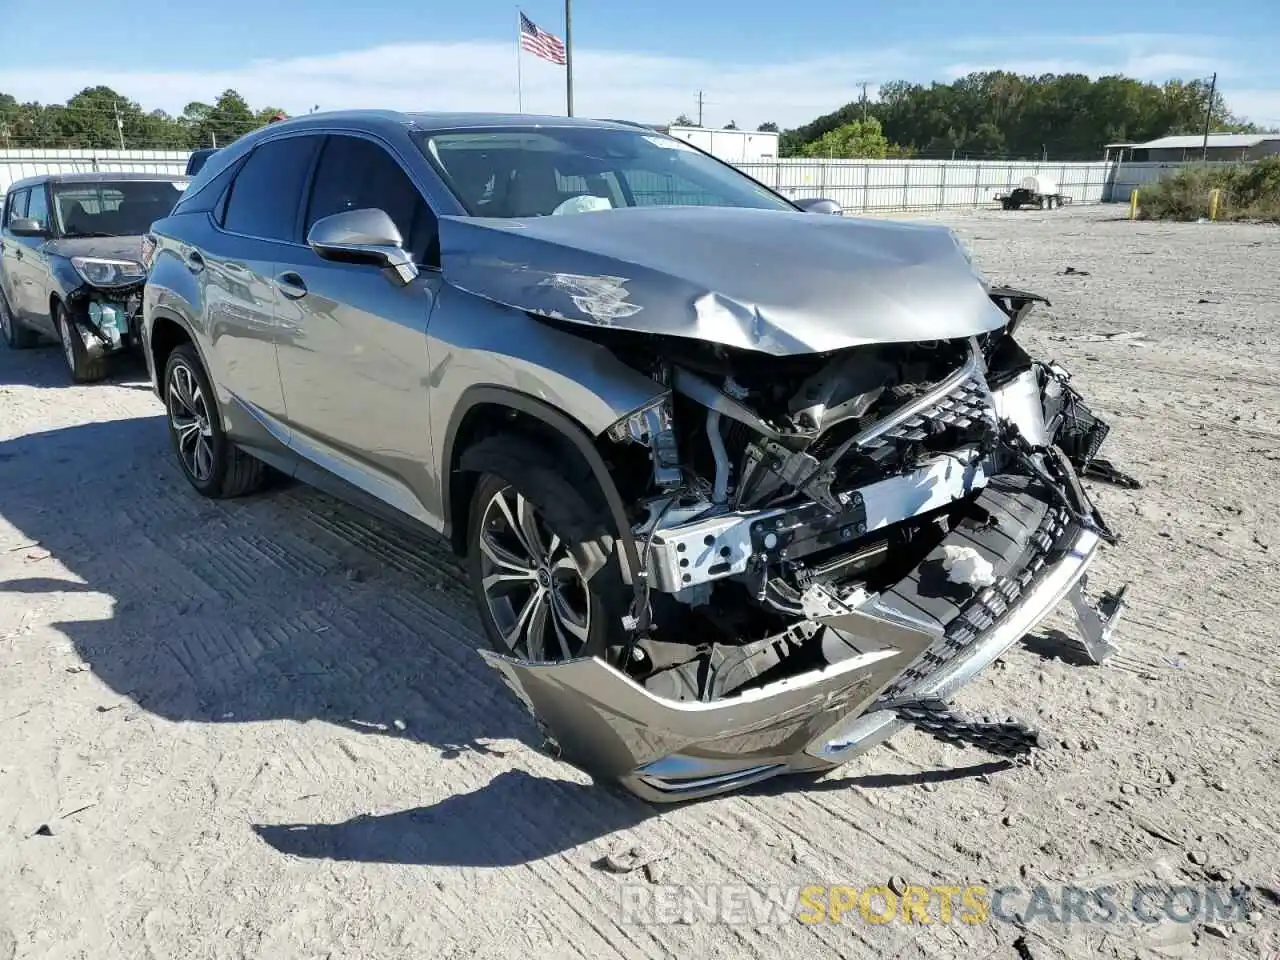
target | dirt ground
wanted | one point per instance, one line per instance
(258, 729)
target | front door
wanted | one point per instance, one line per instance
(32, 270)
(353, 345)
(237, 264)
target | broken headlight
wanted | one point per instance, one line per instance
(103, 272)
(651, 426)
(109, 318)
(639, 425)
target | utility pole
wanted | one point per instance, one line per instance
(568, 56)
(1208, 115)
(699, 108)
(115, 108)
(863, 84)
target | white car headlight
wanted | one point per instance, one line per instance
(103, 272)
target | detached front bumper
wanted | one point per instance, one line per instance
(921, 640)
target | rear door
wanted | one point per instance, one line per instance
(11, 251)
(257, 226)
(353, 348)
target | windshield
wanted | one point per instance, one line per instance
(113, 208)
(524, 172)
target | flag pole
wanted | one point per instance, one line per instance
(568, 57)
(519, 76)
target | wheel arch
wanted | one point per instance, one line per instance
(484, 410)
(165, 332)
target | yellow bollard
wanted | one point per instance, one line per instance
(1133, 204)
(1214, 196)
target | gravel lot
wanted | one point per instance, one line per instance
(258, 729)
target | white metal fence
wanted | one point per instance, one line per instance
(857, 185)
(868, 185)
(16, 164)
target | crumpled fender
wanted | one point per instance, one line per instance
(769, 281)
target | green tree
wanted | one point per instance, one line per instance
(1068, 116)
(769, 127)
(858, 138)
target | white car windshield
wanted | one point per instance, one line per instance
(532, 172)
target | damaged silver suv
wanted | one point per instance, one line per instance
(71, 262)
(742, 487)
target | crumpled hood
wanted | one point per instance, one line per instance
(110, 248)
(776, 282)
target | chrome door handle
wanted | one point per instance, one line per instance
(290, 285)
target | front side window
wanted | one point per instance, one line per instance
(267, 192)
(112, 208)
(38, 207)
(526, 172)
(16, 208)
(357, 174)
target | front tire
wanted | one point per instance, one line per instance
(83, 367)
(541, 560)
(212, 464)
(15, 334)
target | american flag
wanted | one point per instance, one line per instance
(540, 43)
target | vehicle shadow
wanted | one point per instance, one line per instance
(524, 817)
(285, 605)
(528, 817)
(43, 366)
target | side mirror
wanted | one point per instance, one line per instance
(363, 236)
(26, 227)
(819, 205)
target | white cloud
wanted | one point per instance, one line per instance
(632, 85)
(1260, 106)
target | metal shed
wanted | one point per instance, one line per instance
(1222, 146)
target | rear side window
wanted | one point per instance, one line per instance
(356, 174)
(211, 194)
(266, 194)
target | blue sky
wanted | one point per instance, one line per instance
(756, 60)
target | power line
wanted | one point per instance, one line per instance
(863, 84)
(1208, 115)
(110, 113)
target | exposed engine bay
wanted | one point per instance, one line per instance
(109, 318)
(766, 493)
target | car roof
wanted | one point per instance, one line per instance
(101, 176)
(390, 120)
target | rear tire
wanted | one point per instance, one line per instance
(15, 334)
(215, 466)
(542, 557)
(83, 367)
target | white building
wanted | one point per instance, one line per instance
(1221, 146)
(734, 146)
